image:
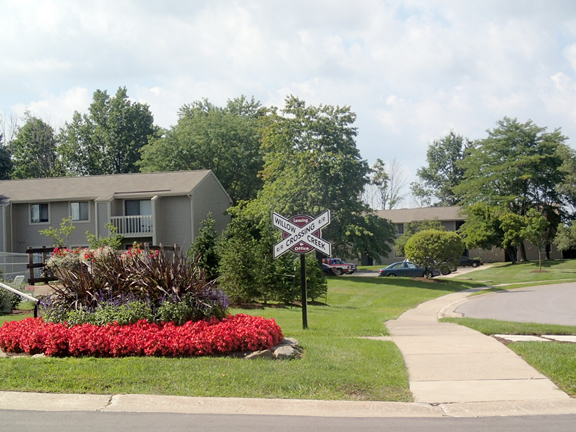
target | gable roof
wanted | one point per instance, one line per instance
(103, 187)
(420, 214)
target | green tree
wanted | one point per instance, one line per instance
(516, 168)
(566, 237)
(5, 160)
(412, 228)
(443, 172)
(311, 164)
(59, 236)
(113, 239)
(109, 138)
(205, 248)
(247, 268)
(225, 140)
(432, 249)
(536, 232)
(34, 150)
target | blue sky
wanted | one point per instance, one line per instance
(411, 71)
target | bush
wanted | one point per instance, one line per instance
(8, 300)
(103, 285)
(249, 272)
(433, 249)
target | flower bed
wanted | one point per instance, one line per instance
(208, 337)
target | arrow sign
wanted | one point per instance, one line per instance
(301, 234)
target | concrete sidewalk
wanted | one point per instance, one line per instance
(454, 372)
(451, 363)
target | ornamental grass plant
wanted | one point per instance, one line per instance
(104, 286)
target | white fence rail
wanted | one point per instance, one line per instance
(134, 226)
(14, 264)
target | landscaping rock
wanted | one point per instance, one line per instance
(287, 349)
(286, 352)
(287, 342)
(260, 354)
(2, 354)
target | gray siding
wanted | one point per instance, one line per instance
(209, 197)
(2, 238)
(26, 233)
(175, 221)
(102, 218)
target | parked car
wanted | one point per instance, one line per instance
(405, 269)
(327, 270)
(467, 261)
(338, 266)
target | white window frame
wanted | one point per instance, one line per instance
(80, 220)
(30, 221)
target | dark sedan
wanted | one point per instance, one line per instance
(466, 261)
(405, 269)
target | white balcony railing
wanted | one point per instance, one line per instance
(134, 226)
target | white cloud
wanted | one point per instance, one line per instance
(411, 70)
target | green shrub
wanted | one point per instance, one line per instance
(8, 300)
(433, 249)
(104, 286)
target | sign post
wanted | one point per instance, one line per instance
(302, 234)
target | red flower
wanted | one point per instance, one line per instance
(233, 333)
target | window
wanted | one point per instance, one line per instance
(400, 228)
(137, 207)
(39, 213)
(80, 211)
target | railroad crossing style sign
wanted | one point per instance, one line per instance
(301, 234)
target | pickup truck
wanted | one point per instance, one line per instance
(338, 266)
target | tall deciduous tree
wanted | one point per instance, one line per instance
(443, 172)
(5, 160)
(223, 139)
(385, 190)
(34, 150)
(109, 138)
(7, 128)
(516, 168)
(311, 164)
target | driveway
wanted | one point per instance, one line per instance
(548, 304)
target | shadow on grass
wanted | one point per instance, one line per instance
(568, 264)
(431, 284)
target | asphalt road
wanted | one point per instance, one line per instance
(548, 304)
(33, 421)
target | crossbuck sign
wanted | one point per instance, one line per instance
(301, 234)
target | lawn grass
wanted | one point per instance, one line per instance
(491, 327)
(525, 273)
(555, 360)
(336, 363)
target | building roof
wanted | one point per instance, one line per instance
(103, 187)
(420, 214)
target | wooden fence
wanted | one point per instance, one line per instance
(46, 253)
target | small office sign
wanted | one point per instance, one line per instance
(301, 234)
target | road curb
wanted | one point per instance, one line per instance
(132, 403)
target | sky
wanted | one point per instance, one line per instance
(412, 71)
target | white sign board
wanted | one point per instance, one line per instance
(301, 234)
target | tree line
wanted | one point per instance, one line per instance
(518, 184)
(295, 159)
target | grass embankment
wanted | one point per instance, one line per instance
(336, 365)
(556, 360)
(524, 274)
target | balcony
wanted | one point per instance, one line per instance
(134, 226)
